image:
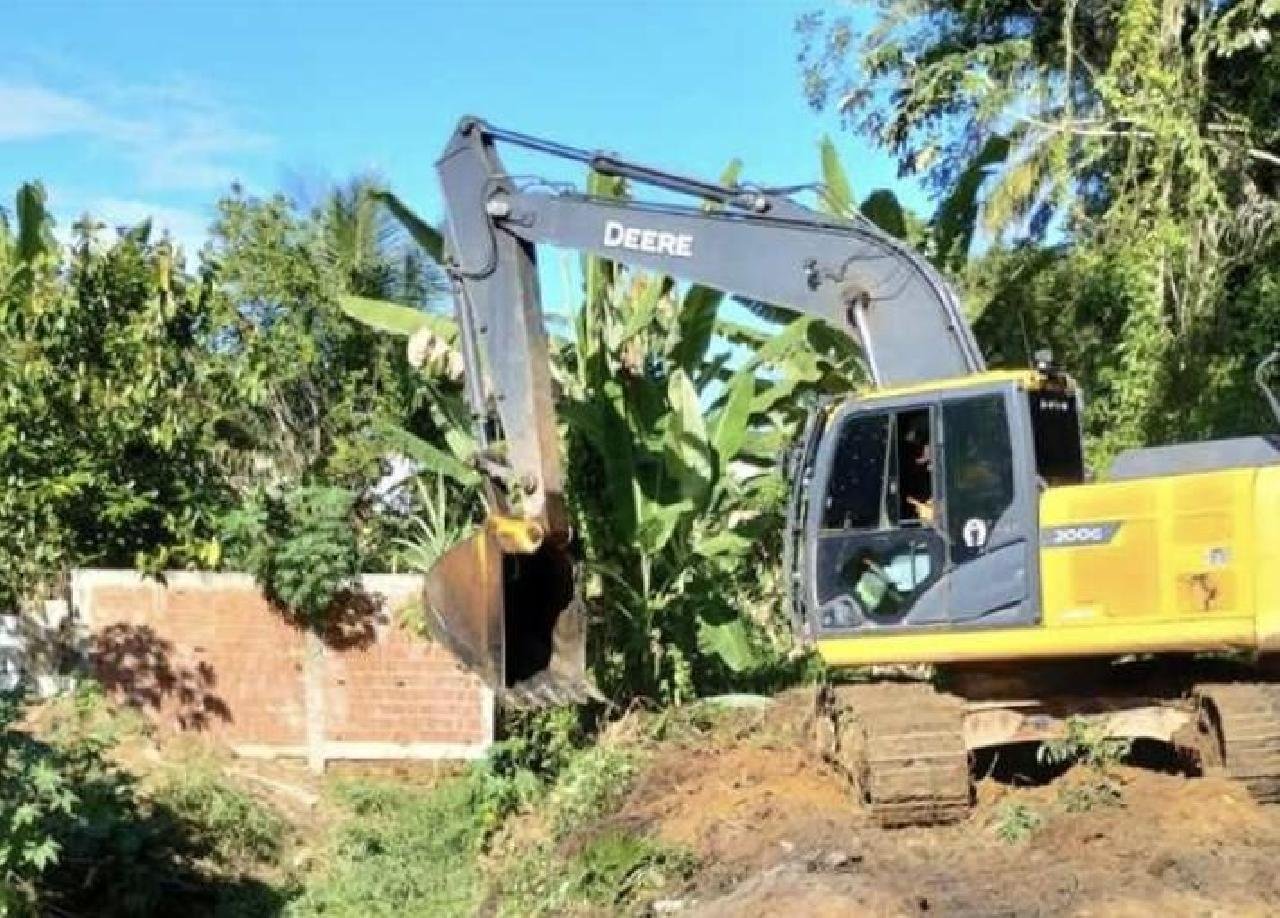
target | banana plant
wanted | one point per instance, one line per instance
(947, 236)
(674, 416)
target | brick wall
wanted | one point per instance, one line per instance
(208, 653)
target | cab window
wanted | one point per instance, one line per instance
(882, 473)
(979, 471)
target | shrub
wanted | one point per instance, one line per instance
(594, 782)
(33, 792)
(301, 547)
(78, 833)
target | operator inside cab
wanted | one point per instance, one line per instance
(883, 581)
(916, 469)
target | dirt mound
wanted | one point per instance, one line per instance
(776, 831)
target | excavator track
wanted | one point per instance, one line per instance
(1239, 735)
(902, 746)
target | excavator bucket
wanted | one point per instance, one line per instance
(504, 601)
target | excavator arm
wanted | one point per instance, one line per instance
(504, 601)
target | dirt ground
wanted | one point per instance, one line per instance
(777, 834)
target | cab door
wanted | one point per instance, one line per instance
(877, 548)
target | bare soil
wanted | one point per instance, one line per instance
(777, 833)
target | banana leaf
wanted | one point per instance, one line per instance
(884, 210)
(427, 236)
(395, 318)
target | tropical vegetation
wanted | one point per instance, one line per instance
(1129, 184)
(1104, 180)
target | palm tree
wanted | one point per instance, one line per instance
(372, 250)
(30, 234)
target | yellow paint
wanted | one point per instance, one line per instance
(1266, 571)
(950, 646)
(515, 535)
(1029, 379)
(1194, 566)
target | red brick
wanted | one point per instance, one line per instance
(243, 670)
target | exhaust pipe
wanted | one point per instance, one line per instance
(505, 603)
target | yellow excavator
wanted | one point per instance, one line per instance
(942, 516)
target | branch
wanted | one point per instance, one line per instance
(1079, 130)
(1264, 156)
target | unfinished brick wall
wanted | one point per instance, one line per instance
(208, 653)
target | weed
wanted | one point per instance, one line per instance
(1090, 745)
(1087, 743)
(238, 831)
(685, 722)
(1016, 822)
(616, 871)
(401, 851)
(1081, 798)
(591, 784)
(541, 742)
(619, 867)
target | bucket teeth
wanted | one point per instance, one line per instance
(548, 689)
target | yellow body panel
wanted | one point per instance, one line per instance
(1193, 566)
(1267, 558)
(1028, 378)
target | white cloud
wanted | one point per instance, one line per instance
(188, 228)
(34, 112)
(174, 136)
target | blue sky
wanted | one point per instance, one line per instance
(129, 109)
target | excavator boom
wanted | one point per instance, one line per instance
(505, 601)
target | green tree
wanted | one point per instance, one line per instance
(1137, 132)
(104, 440)
(371, 249)
(305, 397)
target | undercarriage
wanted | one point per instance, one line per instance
(907, 742)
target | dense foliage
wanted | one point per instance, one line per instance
(80, 835)
(107, 458)
(158, 416)
(1131, 167)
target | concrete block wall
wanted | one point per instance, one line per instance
(207, 653)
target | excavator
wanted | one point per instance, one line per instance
(941, 521)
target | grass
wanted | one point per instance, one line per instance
(179, 833)
(399, 850)
(614, 872)
(438, 851)
(593, 782)
(239, 831)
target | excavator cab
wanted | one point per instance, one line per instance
(919, 506)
